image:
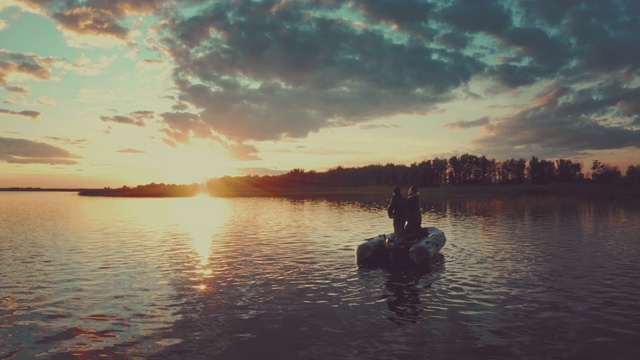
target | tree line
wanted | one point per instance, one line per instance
(465, 169)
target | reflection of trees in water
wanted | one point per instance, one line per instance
(406, 282)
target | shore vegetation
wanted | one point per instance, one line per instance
(459, 176)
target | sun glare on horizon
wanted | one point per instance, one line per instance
(193, 164)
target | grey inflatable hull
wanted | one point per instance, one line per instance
(384, 248)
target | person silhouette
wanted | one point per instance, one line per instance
(414, 216)
(397, 211)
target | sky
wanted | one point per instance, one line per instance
(102, 93)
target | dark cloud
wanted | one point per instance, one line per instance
(96, 17)
(514, 76)
(297, 72)
(543, 49)
(25, 64)
(22, 151)
(603, 34)
(477, 16)
(569, 122)
(629, 106)
(16, 89)
(135, 118)
(122, 120)
(181, 126)
(453, 40)
(405, 14)
(265, 70)
(152, 61)
(467, 124)
(26, 113)
(143, 115)
(88, 20)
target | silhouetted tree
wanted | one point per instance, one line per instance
(541, 172)
(454, 171)
(568, 171)
(439, 171)
(632, 177)
(533, 170)
(457, 170)
(511, 171)
(604, 174)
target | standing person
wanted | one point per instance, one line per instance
(398, 212)
(414, 216)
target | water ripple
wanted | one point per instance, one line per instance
(275, 278)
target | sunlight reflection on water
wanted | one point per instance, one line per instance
(275, 278)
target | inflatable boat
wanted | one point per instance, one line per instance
(386, 247)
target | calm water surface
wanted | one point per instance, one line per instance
(208, 278)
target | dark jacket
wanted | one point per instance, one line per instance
(398, 208)
(413, 208)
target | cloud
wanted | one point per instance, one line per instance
(89, 20)
(123, 120)
(303, 70)
(467, 124)
(248, 71)
(143, 114)
(136, 118)
(14, 65)
(22, 151)
(66, 140)
(300, 71)
(181, 126)
(243, 152)
(153, 61)
(95, 96)
(260, 171)
(477, 16)
(377, 126)
(94, 17)
(536, 44)
(16, 89)
(131, 151)
(405, 14)
(18, 67)
(26, 113)
(569, 122)
(89, 67)
(45, 101)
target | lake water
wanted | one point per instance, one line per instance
(271, 278)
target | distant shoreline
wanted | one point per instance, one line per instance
(614, 192)
(449, 192)
(36, 189)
